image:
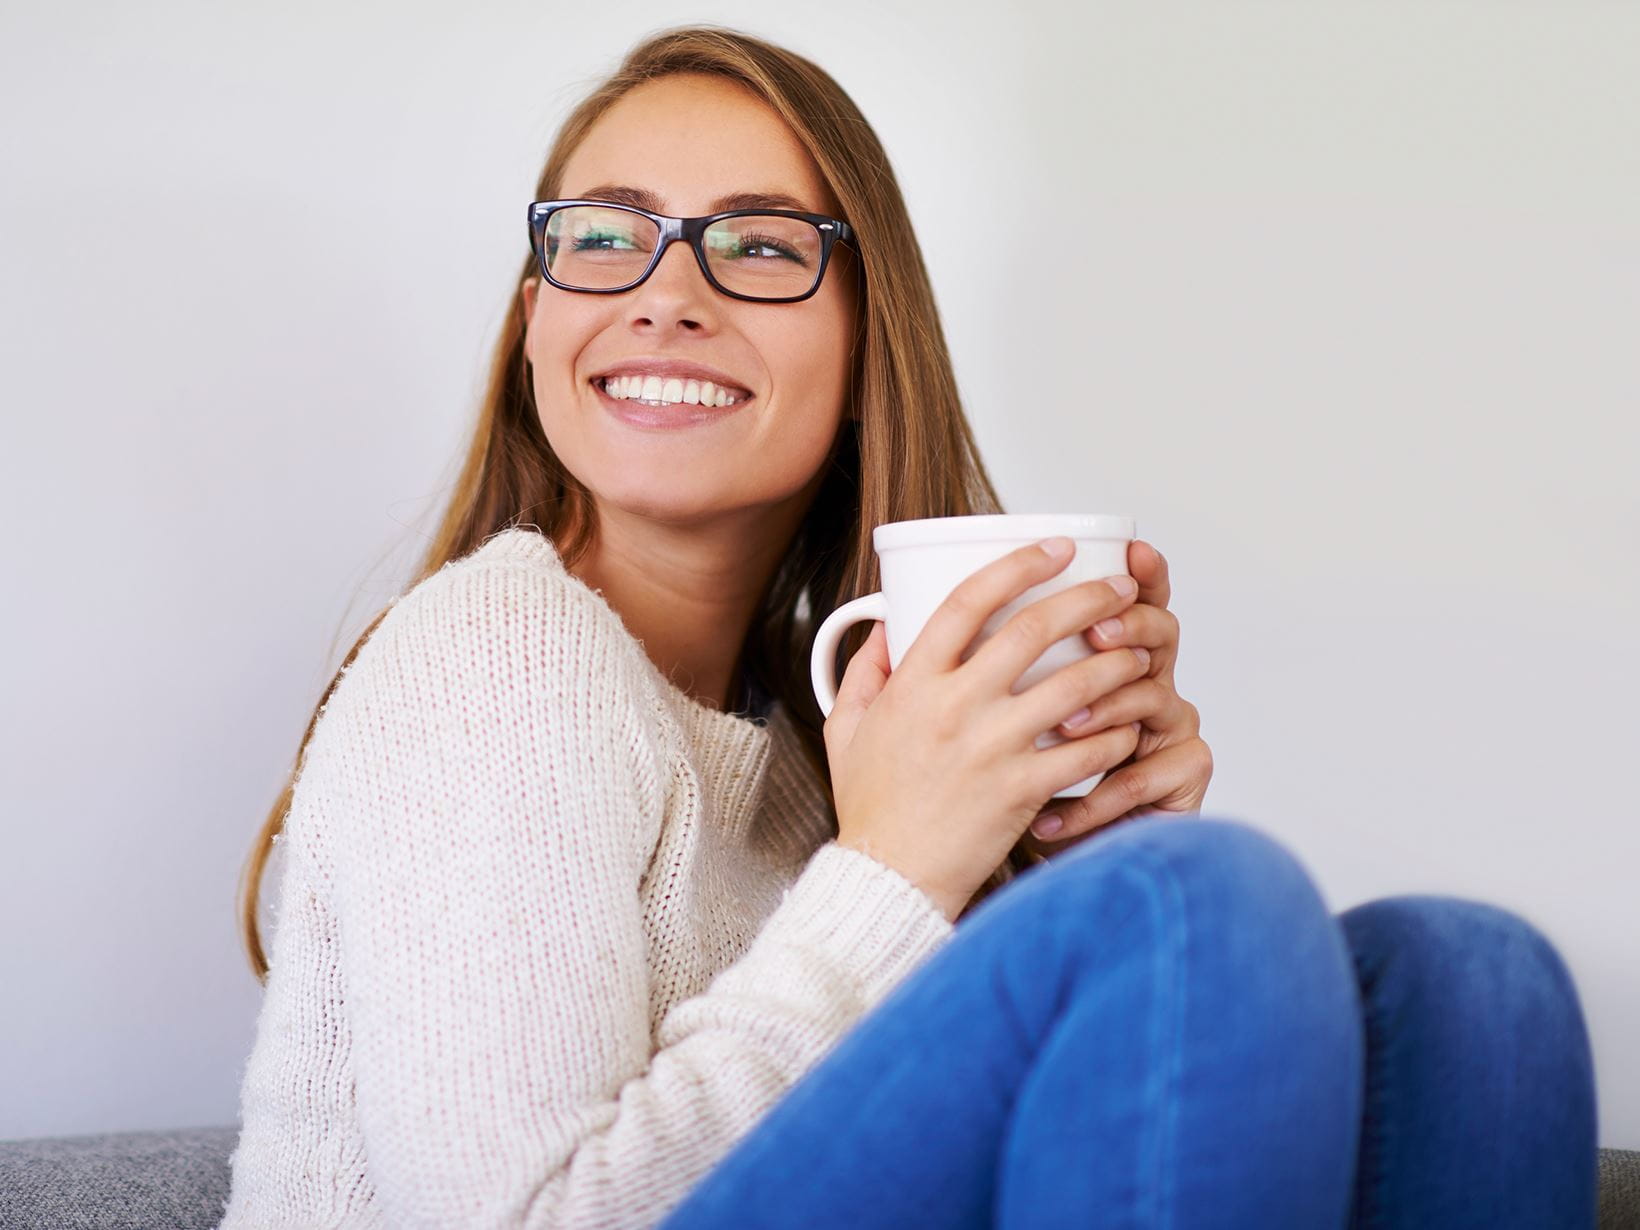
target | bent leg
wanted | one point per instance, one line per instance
(1160, 1027)
(1479, 1099)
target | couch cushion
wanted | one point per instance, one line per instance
(117, 1180)
(1619, 1189)
(179, 1180)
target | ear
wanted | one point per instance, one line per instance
(529, 291)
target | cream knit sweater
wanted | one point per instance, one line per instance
(552, 935)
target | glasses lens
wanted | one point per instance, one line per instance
(598, 246)
(763, 255)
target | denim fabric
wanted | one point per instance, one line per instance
(1166, 1027)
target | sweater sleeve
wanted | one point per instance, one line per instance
(494, 797)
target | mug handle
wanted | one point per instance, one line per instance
(830, 636)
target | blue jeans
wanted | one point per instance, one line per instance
(1165, 1026)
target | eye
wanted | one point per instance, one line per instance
(602, 241)
(761, 247)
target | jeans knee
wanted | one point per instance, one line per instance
(1483, 959)
(1227, 908)
(1219, 860)
(1209, 875)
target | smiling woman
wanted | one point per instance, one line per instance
(861, 379)
(589, 919)
(699, 462)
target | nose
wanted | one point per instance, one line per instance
(676, 293)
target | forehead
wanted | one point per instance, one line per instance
(691, 138)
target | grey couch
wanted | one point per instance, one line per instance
(179, 1181)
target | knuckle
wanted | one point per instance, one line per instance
(1069, 692)
(1106, 672)
(948, 723)
(1089, 680)
(965, 600)
(1016, 570)
(1132, 785)
(933, 710)
(1096, 753)
(1028, 626)
(955, 716)
(1020, 779)
(1095, 597)
(1105, 753)
(943, 730)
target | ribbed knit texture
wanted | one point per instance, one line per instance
(552, 935)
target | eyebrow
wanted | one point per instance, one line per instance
(624, 194)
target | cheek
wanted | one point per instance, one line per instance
(808, 360)
(557, 337)
(810, 384)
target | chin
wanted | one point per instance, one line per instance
(662, 493)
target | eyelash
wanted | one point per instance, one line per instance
(583, 242)
(768, 242)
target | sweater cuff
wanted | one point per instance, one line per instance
(879, 923)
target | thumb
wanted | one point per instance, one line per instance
(863, 681)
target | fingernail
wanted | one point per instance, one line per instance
(1143, 654)
(1057, 548)
(1077, 718)
(1108, 628)
(1123, 584)
(1047, 826)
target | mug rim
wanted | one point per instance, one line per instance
(991, 527)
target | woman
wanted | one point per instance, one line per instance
(589, 919)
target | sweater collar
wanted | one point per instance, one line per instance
(733, 751)
(745, 727)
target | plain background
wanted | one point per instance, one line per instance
(1339, 300)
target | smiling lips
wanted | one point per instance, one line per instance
(669, 380)
(652, 390)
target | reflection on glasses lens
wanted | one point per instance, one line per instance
(764, 255)
(597, 247)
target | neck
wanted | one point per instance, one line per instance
(687, 594)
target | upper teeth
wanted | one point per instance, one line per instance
(668, 392)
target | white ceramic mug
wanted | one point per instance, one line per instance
(923, 561)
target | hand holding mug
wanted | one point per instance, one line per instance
(938, 764)
(1170, 769)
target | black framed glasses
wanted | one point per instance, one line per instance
(763, 255)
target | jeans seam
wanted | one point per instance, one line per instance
(1374, 1039)
(1165, 1089)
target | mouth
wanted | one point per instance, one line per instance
(662, 412)
(667, 391)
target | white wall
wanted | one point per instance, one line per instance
(1338, 300)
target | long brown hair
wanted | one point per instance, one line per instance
(909, 453)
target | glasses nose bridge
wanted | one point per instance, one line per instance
(688, 231)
